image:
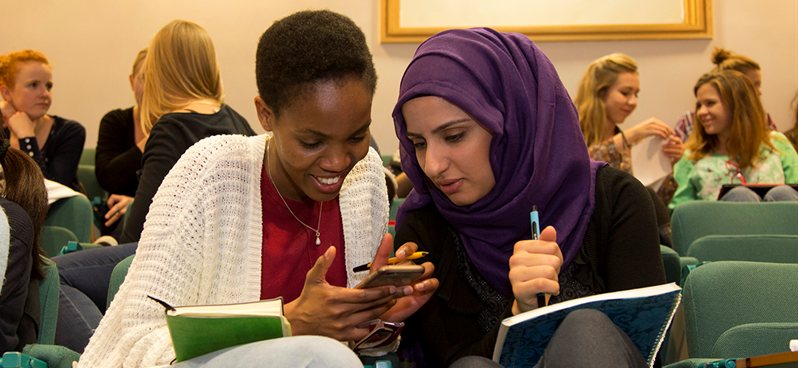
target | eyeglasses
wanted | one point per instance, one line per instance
(736, 172)
(383, 333)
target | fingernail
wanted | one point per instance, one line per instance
(392, 290)
(421, 286)
(400, 253)
(407, 290)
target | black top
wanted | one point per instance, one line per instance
(19, 298)
(118, 159)
(620, 251)
(172, 135)
(60, 156)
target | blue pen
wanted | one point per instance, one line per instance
(534, 222)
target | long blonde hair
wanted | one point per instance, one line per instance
(748, 128)
(601, 74)
(180, 67)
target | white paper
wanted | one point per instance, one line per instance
(649, 163)
(793, 345)
(56, 191)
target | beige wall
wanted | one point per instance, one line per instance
(91, 44)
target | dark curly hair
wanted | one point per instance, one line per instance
(307, 47)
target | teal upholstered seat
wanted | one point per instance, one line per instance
(671, 261)
(55, 356)
(757, 248)
(90, 184)
(693, 220)
(118, 277)
(48, 303)
(720, 296)
(53, 238)
(73, 213)
(88, 155)
(752, 339)
(386, 159)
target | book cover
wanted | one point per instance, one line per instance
(644, 314)
(201, 329)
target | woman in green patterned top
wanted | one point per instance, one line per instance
(732, 145)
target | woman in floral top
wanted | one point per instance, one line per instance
(732, 144)
(607, 96)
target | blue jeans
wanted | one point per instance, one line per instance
(296, 351)
(85, 276)
(775, 194)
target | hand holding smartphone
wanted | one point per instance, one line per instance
(382, 334)
(396, 275)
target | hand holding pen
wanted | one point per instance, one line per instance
(534, 267)
(534, 223)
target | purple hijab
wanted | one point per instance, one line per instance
(537, 153)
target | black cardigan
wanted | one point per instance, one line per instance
(170, 137)
(621, 251)
(60, 156)
(118, 159)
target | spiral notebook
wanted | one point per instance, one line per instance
(644, 314)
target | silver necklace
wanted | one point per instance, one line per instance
(317, 230)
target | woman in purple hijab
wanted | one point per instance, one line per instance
(487, 131)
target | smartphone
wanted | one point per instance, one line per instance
(383, 333)
(397, 275)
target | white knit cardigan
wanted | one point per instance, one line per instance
(202, 243)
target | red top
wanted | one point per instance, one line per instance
(289, 248)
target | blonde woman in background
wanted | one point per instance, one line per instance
(182, 104)
(607, 95)
(55, 143)
(724, 59)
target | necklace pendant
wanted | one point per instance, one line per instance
(317, 230)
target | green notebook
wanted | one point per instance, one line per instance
(202, 329)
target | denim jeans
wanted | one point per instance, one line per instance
(85, 276)
(585, 338)
(296, 351)
(775, 194)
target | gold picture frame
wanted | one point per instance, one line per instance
(694, 22)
